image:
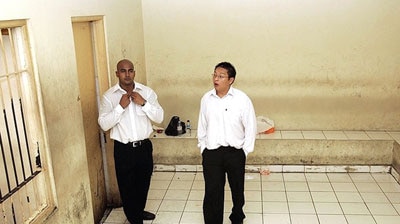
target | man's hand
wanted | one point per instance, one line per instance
(137, 98)
(125, 100)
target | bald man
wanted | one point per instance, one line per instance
(127, 109)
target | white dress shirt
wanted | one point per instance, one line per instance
(134, 122)
(227, 121)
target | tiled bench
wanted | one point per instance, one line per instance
(295, 151)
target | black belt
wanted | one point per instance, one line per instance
(136, 143)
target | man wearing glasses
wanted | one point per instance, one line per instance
(226, 135)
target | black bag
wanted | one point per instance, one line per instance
(172, 128)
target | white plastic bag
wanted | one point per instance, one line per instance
(265, 125)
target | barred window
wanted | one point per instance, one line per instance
(23, 191)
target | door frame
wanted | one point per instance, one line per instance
(101, 68)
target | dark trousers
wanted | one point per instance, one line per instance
(216, 163)
(134, 167)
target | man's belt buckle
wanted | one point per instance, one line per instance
(136, 144)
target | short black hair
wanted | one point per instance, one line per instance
(229, 67)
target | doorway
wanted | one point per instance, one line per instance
(91, 59)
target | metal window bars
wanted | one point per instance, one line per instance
(22, 187)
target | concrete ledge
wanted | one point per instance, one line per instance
(322, 152)
(294, 151)
(176, 151)
(396, 157)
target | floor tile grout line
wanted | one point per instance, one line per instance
(365, 203)
(165, 194)
(187, 199)
(309, 191)
(287, 199)
(262, 206)
(385, 194)
(341, 207)
(377, 182)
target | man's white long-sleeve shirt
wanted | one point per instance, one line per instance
(227, 121)
(134, 122)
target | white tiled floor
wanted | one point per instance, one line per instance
(324, 198)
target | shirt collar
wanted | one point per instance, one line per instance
(231, 91)
(117, 87)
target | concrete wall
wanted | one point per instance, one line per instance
(396, 156)
(50, 30)
(308, 65)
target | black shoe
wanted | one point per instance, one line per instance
(148, 216)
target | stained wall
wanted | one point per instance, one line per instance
(52, 44)
(307, 65)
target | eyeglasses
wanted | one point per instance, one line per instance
(218, 76)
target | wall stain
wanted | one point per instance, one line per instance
(349, 169)
(306, 161)
(79, 206)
